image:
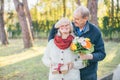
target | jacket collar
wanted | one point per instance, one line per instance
(87, 27)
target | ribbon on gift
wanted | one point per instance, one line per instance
(58, 68)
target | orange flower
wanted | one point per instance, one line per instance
(73, 47)
(82, 45)
(88, 44)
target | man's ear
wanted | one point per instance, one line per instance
(86, 18)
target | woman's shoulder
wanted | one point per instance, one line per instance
(51, 42)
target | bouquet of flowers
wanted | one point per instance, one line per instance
(81, 45)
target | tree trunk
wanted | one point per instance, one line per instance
(93, 7)
(78, 2)
(27, 36)
(3, 33)
(64, 8)
(28, 15)
(112, 13)
(118, 15)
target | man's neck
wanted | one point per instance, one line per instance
(81, 28)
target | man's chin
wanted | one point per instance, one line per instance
(76, 25)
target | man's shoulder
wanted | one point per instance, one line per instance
(94, 27)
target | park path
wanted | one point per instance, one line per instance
(11, 59)
(116, 75)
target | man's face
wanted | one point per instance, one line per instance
(79, 21)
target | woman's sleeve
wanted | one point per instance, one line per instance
(78, 64)
(46, 57)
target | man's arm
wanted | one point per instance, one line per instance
(52, 33)
(99, 51)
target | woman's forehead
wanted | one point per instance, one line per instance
(65, 23)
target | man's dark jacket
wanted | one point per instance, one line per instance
(92, 32)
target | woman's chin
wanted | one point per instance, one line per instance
(65, 33)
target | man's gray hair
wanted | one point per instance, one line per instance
(82, 11)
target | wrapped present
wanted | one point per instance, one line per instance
(64, 69)
(59, 69)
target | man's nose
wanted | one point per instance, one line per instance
(64, 25)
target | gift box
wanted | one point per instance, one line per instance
(59, 69)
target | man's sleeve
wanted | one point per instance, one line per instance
(99, 53)
(52, 33)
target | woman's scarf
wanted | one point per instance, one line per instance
(63, 43)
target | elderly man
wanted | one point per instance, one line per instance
(83, 28)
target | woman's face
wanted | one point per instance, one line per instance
(65, 29)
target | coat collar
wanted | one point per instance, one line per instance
(87, 28)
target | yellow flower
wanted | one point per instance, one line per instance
(73, 47)
(87, 39)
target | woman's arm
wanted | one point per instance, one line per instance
(46, 57)
(78, 64)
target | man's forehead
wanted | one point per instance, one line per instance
(77, 13)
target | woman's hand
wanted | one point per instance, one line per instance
(70, 65)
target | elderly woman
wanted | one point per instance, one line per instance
(63, 64)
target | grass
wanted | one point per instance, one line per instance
(17, 63)
(29, 69)
(15, 47)
(112, 59)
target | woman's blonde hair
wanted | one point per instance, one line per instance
(64, 21)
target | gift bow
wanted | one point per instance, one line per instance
(58, 68)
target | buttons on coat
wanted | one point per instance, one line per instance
(61, 56)
(75, 59)
(78, 56)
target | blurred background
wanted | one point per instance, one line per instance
(25, 26)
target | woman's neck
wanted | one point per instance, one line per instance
(64, 36)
